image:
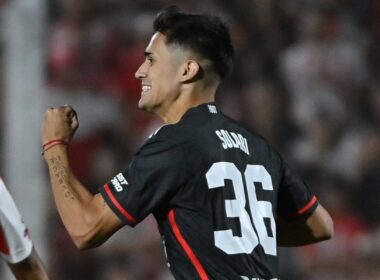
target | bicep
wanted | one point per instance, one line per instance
(110, 220)
(320, 224)
(101, 221)
(317, 227)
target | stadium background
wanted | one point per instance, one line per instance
(306, 77)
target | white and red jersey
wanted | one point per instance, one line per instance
(15, 242)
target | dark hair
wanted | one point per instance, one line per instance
(206, 35)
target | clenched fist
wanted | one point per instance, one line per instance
(59, 123)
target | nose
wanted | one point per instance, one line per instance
(141, 72)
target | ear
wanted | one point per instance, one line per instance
(191, 69)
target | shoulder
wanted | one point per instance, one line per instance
(165, 142)
(175, 134)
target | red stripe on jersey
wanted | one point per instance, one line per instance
(193, 258)
(118, 206)
(307, 206)
(3, 243)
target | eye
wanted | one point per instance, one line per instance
(150, 60)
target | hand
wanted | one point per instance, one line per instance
(59, 123)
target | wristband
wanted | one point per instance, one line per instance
(51, 144)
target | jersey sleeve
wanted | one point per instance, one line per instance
(15, 242)
(156, 173)
(295, 199)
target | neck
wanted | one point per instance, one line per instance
(189, 98)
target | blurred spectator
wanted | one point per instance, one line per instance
(326, 66)
(367, 193)
(263, 105)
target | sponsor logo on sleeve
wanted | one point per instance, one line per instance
(119, 182)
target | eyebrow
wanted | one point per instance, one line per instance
(147, 54)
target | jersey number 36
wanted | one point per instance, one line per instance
(253, 229)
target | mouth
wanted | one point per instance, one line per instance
(145, 89)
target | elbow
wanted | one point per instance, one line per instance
(328, 231)
(86, 241)
(90, 234)
(92, 229)
(321, 225)
(82, 244)
(325, 230)
(325, 235)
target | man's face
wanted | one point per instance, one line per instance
(160, 75)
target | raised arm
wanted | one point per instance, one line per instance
(318, 227)
(87, 218)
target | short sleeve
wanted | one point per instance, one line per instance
(295, 200)
(15, 242)
(155, 174)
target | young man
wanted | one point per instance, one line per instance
(16, 247)
(217, 190)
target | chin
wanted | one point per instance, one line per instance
(144, 106)
(141, 106)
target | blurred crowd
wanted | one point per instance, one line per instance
(306, 77)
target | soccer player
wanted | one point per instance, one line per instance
(16, 247)
(223, 198)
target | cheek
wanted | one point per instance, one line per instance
(169, 85)
(165, 80)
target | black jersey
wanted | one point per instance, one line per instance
(215, 190)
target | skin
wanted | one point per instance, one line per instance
(29, 269)
(171, 73)
(176, 81)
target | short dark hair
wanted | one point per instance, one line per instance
(203, 34)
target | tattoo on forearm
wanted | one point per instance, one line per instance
(60, 173)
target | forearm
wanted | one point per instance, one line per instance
(71, 197)
(87, 218)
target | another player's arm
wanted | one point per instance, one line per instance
(87, 218)
(30, 268)
(318, 227)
